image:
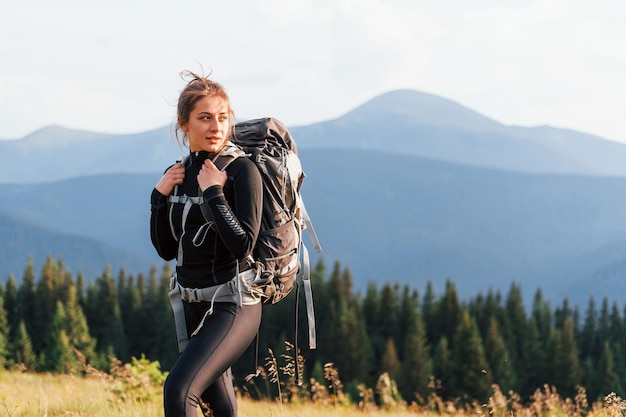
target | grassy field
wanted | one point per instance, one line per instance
(27, 394)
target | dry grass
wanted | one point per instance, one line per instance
(26, 394)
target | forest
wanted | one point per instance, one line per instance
(56, 322)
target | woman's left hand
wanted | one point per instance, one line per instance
(209, 175)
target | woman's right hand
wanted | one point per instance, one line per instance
(173, 176)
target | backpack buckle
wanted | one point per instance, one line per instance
(191, 295)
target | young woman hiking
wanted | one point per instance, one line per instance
(208, 220)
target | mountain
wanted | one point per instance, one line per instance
(409, 187)
(55, 153)
(112, 208)
(408, 122)
(89, 256)
(399, 122)
(412, 219)
(396, 218)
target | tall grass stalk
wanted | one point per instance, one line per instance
(272, 371)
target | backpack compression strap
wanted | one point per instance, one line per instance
(309, 226)
(308, 297)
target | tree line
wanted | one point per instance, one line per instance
(426, 343)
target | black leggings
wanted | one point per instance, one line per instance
(202, 372)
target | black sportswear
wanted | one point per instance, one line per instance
(210, 255)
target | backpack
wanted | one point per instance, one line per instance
(268, 143)
(279, 249)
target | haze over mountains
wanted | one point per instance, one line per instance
(408, 187)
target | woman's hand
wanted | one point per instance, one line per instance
(209, 175)
(173, 176)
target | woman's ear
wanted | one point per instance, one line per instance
(182, 124)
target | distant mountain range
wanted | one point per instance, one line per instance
(409, 187)
(401, 122)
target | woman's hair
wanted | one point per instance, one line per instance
(197, 87)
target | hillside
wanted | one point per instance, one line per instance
(79, 254)
(408, 187)
(398, 218)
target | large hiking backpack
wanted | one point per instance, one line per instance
(268, 143)
(279, 247)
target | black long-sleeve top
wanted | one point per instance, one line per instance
(210, 255)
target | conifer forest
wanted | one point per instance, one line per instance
(53, 321)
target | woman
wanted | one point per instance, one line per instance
(211, 233)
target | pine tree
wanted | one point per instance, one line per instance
(335, 304)
(588, 341)
(46, 296)
(4, 334)
(429, 314)
(359, 362)
(567, 372)
(484, 309)
(372, 313)
(606, 375)
(449, 312)
(542, 315)
(616, 342)
(163, 338)
(80, 290)
(348, 345)
(535, 370)
(26, 301)
(11, 306)
(417, 365)
(471, 376)
(516, 329)
(562, 314)
(390, 362)
(502, 371)
(442, 368)
(336, 285)
(371, 306)
(136, 316)
(389, 321)
(59, 356)
(105, 319)
(77, 329)
(409, 304)
(23, 348)
(604, 324)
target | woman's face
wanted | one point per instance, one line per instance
(208, 125)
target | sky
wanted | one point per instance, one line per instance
(113, 66)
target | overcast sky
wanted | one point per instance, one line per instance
(112, 66)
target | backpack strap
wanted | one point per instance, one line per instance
(309, 226)
(227, 155)
(308, 297)
(305, 275)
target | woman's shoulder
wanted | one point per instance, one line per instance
(243, 166)
(243, 163)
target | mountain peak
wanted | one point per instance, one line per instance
(422, 109)
(54, 135)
